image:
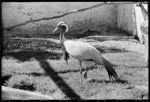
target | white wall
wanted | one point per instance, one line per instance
(16, 13)
(126, 18)
(121, 16)
(129, 18)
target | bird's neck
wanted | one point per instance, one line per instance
(62, 37)
(144, 12)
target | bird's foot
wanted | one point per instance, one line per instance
(93, 65)
(85, 75)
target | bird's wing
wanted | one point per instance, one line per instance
(81, 51)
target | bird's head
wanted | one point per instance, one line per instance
(61, 27)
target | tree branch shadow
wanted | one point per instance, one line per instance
(68, 91)
(41, 57)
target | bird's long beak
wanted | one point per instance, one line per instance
(55, 30)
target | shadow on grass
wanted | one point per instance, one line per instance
(41, 58)
(25, 86)
(29, 44)
(105, 49)
(27, 55)
(78, 35)
(134, 66)
(114, 38)
(5, 78)
(24, 49)
(68, 91)
(77, 70)
(34, 74)
(107, 81)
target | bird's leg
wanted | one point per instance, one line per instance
(80, 72)
(85, 74)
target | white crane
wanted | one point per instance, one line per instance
(83, 52)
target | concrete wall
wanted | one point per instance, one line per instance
(15, 13)
(129, 18)
(126, 18)
(121, 16)
(139, 20)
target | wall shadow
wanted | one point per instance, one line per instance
(114, 38)
(24, 49)
(29, 43)
(105, 49)
(27, 55)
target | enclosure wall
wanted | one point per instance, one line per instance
(16, 13)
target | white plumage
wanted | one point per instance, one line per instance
(83, 52)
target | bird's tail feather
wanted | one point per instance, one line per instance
(110, 70)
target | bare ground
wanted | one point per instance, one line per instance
(37, 64)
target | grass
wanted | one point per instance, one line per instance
(37, 65)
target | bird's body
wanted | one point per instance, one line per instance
(83, 52)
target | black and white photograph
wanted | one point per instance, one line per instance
(75, 50)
